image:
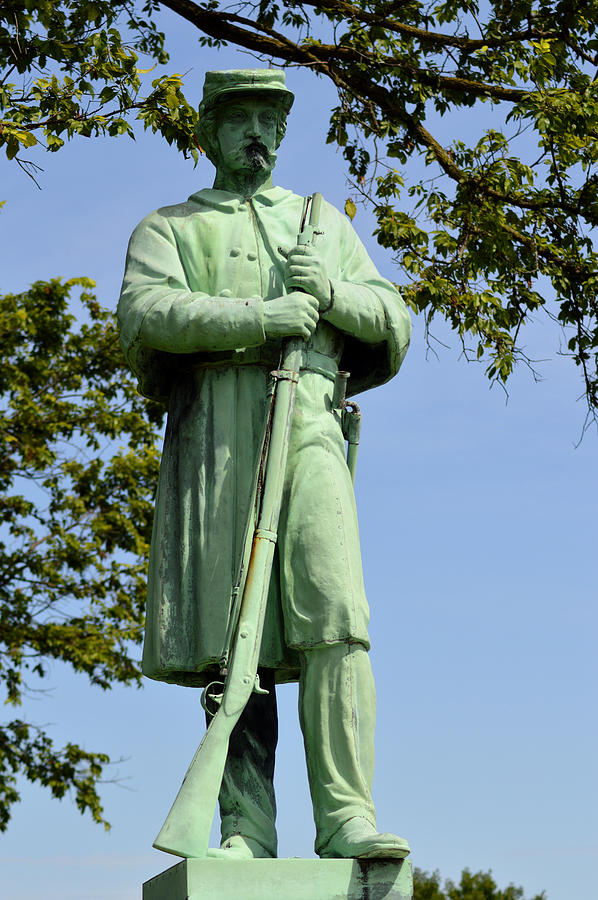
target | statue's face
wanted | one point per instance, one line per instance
(246, 135)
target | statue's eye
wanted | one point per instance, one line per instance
(234, 115)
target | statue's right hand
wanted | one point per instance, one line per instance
(296, 313)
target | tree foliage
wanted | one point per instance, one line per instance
(78, 471)
(67, 70)
(501, 226)
(472, 886)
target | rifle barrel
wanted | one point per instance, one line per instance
(186, 830)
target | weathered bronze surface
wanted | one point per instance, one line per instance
(218, 294)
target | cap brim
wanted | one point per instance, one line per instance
(281, 95)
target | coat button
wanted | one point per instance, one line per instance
(235, 251)
(252, 256)
(225, 293)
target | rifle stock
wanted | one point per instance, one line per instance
(186, 830)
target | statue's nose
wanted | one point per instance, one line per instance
(253, 127)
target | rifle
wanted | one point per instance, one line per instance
(186, 830)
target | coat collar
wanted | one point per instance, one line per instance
(226, 201)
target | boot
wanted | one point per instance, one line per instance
(337, 711)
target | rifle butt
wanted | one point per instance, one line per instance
(186, 830)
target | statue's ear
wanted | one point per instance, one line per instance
(281, 127)
(205, 131)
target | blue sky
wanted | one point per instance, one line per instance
(477, 519)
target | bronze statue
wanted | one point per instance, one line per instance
(214, 289)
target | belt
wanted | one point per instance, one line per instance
(267, 356)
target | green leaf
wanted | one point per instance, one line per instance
(71, 586)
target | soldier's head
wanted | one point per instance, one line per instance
(242, 118)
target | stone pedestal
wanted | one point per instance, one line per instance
(283, 879)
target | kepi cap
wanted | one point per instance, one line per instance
(222, 85)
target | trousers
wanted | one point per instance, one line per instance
(337, 711)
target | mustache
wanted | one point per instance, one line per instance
(257, 154)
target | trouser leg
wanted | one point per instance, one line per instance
(337, 711)
(246, 799)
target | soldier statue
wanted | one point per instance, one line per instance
(212, 288)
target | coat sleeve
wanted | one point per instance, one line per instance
(159, 315)
(369, 311)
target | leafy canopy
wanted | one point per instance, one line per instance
(501, 227)
(67, 70)
(472, 886)
(78, 472)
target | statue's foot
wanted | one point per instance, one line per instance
(358, 839)
(239, 847)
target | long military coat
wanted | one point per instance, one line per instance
(191, 318)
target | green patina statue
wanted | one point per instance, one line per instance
(213, 288)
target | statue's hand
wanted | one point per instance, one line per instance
(294, 314)
(306, 271)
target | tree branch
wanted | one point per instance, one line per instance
(434, 38)
(225, 26)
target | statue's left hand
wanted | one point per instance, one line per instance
(306, 271)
